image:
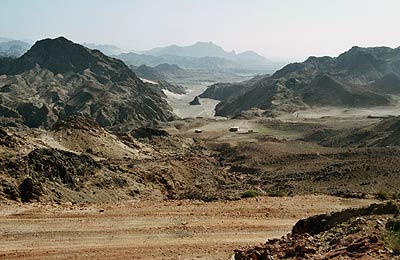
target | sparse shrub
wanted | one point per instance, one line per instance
(250, 194)
(392, 236)
(382, 195)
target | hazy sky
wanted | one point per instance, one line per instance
(278, 29)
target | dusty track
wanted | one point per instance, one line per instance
(152, 230)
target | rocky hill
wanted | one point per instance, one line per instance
(226, 91)
(149, 73)
(360, 77)
(157, 79)
(169, 69)
(77, 160)
(385, 133)
(57, 78)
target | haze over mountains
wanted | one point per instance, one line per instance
(209, 49)
(360, 77)
(204, 61)
(12, 48)
(203, 56)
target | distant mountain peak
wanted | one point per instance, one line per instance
(202, 49)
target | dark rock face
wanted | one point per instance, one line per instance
(76, 122)
(195, 101)
(361, 77)
(30, 190)
(317, 224)
(225, 91)
(57, 78)
(65, 167)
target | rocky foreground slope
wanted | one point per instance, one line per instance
(366, 233)
(57, 78)
(360, 77)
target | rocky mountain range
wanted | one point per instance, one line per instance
(203, 56)
(12, 48)
(57, 78)
(209, 49)
(360, 77)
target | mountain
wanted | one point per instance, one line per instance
(13, 48)
(136, 59)
(192, 63)
(226, 91)
(157, 78)
(172, 69)
(360, 77)
(104, 48)
(57, 78)
(162, 71)
(198, 50)
(247, 59)
(148, 73)
(204, 57)
(189, 69)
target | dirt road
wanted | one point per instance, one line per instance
(152, 230)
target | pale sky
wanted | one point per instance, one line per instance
(286, 30)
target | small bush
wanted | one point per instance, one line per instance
(250, 194)
(392, 241)
(382, 195)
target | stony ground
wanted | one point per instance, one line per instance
(368, 233)
(152, 230)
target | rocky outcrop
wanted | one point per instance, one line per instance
(349, 234)
(195, 101)
(320, 223)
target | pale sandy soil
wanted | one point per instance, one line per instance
(152, 230)
(181, 107)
